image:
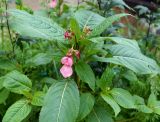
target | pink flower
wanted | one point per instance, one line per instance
(68, 61)
(68, 35)
(66, 71)
(53, 4)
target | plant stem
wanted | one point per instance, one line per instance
(9, 32)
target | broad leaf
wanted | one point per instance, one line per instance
(99, 114)
(123, 97)
(18, 111)
(112, 103)
(86, 74)
(127, 53)
(38, 98)
(1, 82)
(88, 19)
(61, 103)
(34, 26)
(17, 82)
(4, 93)
(86, 105)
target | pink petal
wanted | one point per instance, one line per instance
(67, 61)
(53, 4)
(66, 71)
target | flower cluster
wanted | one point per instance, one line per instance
(68, 35)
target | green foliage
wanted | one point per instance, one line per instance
(18, 111)
(62, 99)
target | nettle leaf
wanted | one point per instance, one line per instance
(88, 19)
(112, 103)
(34, 26)
(127, 53)
(107, 22)
(38, 98)
(154, 104)
(61, 103)
(99, 114)
(86, 74)
(86, 105)
(4, 93)
(123, 97)
(18, 111)
(39, 59)
(17, 82)
(140, 105)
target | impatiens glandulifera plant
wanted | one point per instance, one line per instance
(75, 93)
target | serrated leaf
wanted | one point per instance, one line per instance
(86, 74)
(105, 24)
(123, 97)
(38, 98)
(17, 82)
(127, 53)
(18, 111)
(34, 26)
(99, 114)
(61, 103)
(86, 105)
(112, 103)
(4, 93)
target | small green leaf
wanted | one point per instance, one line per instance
(4, 93)
(86, 105)
(18, 111)
(106, 79)
(17, 82)
(38, 98)
(61, 103)
(123, 97)
(112, 103)
(86, 74)
(99, 114)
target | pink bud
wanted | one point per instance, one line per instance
(53, 4)
(68, 61)
(77, 53)
(68, 34)
(66, 71)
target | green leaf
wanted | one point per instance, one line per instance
(75, 28)
(38, 98)
(99, 114)
(88, 19)
(17, 82)
(18, 111)
(34, 26)
(140, 105)
(61, 103)
(1, 82)
(86, 105)
(86, 74)
(123, 97)
(106, 78)
(127, 53)
(154, 104)
(112, 103)
(4, 93)
(39, 59)
(103, 25)
(6, 64)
